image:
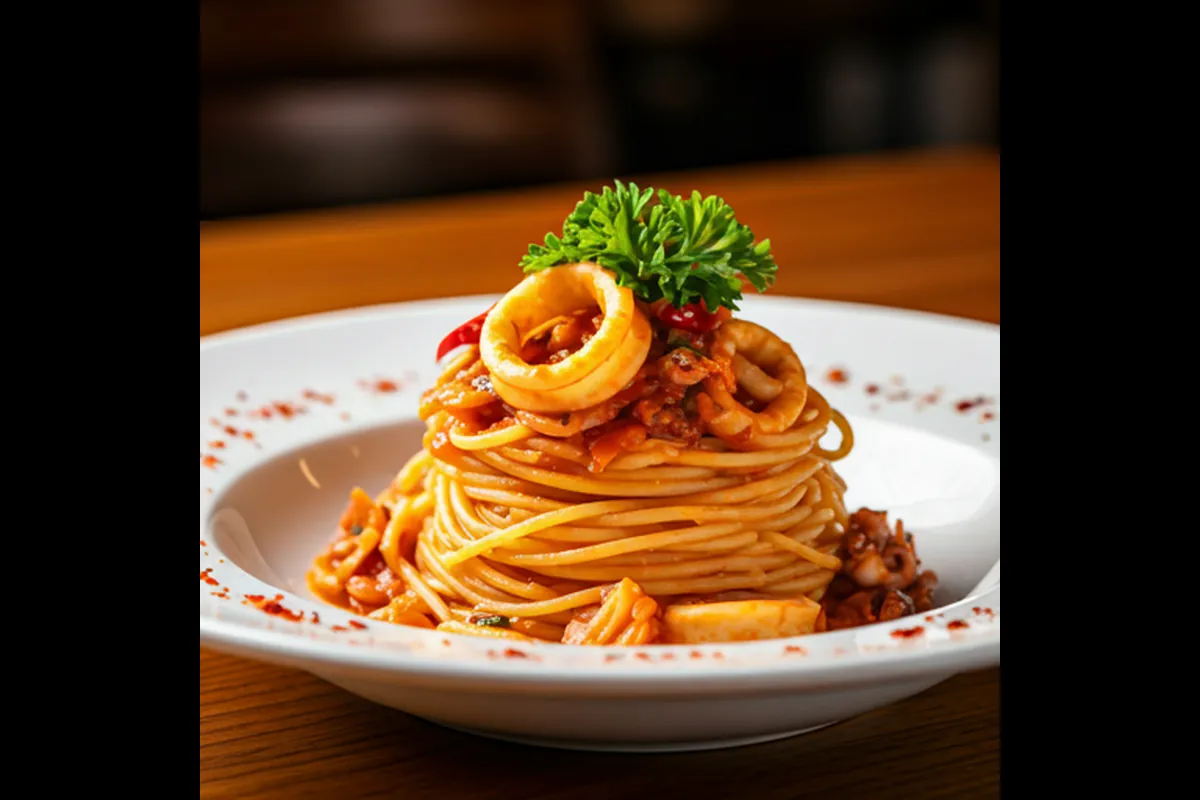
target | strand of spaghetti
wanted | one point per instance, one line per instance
(454, 626)
(817, 580)
(429, 561)
(565, 602)
(489, 439)
(709, 585)
(847, 443)
(802, 471)
(413, 472)
(723, 461)
(689, 569)
(600, 486)
(728, 543)
(506, 483)
(415, 582)
(389, 545)
(559, 449)
(703, 513)
(527, 590)
(511, 499)
(539, 629)
(541, 522)
(649, 541)
(812, 554)
(464, 359)
(574, 535)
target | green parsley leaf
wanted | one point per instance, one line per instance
(495, 621)
(684, 250)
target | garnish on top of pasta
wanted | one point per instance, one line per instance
(612, 458)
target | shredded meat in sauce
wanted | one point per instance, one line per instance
(880, 579)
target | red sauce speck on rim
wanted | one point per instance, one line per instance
(838, 375)
(288, 410)
(792, 648)
(957, 624)
(339, 628)
(642, 656)
(871, 388)
(696, 654)
(216, 423)
(209, 579)
(217, 445)
(445, 642)
(231, 412)
(908, 633)
(281, 409)
(316, 618)
(929, 617)
(248, 435)
(963, 406)
(210, 461)
(242, 397)
(356, 624)
(310, 394)
(203, 543)
(611, 657)
(382, 385)
(718, 654)
(273, 608)
(668, 656)
(512, 652)
(231, 431)
(987, 416)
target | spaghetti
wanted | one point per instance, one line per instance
(592, 476)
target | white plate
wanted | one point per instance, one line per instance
(336, 395)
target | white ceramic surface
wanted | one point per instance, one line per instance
(294, 414)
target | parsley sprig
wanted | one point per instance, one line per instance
(680, 249)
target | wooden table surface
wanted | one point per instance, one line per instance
(914, 230)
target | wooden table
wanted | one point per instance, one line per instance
(918, 230)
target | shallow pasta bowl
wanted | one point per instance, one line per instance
(296, 413)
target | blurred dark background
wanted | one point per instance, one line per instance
(320, 103)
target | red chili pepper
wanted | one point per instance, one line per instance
(694, 317)
(467, 333)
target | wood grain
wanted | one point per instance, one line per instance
(919, 230)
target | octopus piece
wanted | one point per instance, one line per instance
(881, 578)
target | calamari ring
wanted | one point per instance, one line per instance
(598, 370)
(778, 371)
